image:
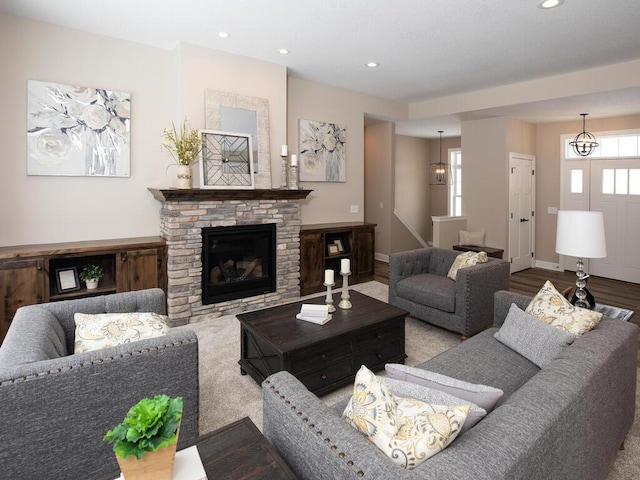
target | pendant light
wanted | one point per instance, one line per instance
(585, 142)
(440, 173)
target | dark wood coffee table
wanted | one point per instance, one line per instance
(323, 357)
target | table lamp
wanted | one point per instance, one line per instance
(581, 234)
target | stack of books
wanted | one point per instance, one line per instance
(318, 314)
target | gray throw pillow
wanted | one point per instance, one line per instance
(435, 397)
(484, 396)
(535, 340)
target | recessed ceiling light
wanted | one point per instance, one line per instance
(372, 64)
(283, 51)
(550, 3)
(223, 35)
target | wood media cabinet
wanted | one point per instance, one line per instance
(323, 245)
(28, 274)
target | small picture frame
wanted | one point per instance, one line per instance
(67, 279)
(332, 248)
(338, 243)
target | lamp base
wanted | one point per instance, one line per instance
(582, 297)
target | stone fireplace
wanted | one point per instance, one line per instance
(184, 215)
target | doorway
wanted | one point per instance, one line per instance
(521, 211)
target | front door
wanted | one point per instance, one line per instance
(521, 212)
(615, 191)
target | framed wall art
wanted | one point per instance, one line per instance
(226, 160)
(77, 131)
(322, 151)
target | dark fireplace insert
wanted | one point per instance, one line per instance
(238, 261)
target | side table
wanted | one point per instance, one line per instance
(490, 251)
(239, 451)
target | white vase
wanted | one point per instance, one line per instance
(184, 176)
(92, 283)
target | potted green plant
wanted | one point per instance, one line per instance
(91, 274)
(184, 146)
(145, 442)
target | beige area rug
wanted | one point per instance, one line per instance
(226, 396)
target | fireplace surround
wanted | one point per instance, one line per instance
(183, 216)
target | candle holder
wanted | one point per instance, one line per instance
(293, 177)
(329, 299)
(283, 174)
(345, 304)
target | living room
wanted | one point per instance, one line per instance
(168, 83)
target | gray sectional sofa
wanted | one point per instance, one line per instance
(55, 406)
(564, 421)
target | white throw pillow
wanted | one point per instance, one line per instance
(471, 238)
(104, 330)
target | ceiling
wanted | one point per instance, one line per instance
(425, 48)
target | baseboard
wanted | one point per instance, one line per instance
(381, 257)
(548, 265)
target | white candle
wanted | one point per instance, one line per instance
(294, 160)
(328, 277)
(285, 151)
(345, 265)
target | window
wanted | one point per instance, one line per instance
(576, 181)
(455, 191)
(611, 146)
(621, 181)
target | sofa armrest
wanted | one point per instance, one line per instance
(313, 438)
(475, 287)
(407, 264)
(56, 412)
(502, 303)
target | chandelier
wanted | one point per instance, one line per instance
(585, 142)
(440, 173)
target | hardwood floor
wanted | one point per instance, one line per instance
(528, 282)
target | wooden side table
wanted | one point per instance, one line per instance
(490, 251)
(239, 451)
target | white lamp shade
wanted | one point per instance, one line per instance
(581, 234)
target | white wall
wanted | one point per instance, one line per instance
(330, 202)
(164, 86)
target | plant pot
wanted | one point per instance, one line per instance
(184, 176)
(92, 283)
(156, 465)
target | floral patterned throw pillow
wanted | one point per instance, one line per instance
(551, 307)
(105, 330)
(408, 431)
(466, 259)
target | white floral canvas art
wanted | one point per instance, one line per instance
(322, 151)
(77, 131)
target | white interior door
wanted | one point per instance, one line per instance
(615, 191)
(521, 211)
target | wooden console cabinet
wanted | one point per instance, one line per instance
(357, 242)
(28, 273)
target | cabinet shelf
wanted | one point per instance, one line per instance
(28, 273)
(357, 242)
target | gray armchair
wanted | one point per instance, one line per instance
(56, 406)
(418, 283)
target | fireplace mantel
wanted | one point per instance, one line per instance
(208, 194)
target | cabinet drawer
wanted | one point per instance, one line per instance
(328, 375)
(317, 357)
(379, 346)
